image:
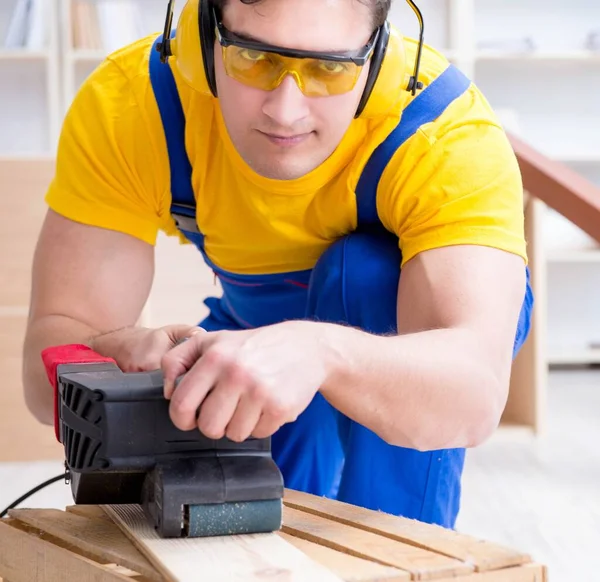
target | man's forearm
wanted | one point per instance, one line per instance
(47, 331)
(427, 390)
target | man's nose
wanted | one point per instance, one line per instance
(286, 105)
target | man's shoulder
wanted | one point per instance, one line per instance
(469, 106)
(133, 60)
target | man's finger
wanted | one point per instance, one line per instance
(180, 359)
(191, 392)
(266, 426)
(220, 404)
(179, 333)
(245, 419)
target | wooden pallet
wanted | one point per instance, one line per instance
(322, 540)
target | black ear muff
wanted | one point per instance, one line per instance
(379, 51)
(206, 25)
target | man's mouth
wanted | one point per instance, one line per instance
(286, 140)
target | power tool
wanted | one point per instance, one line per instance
(121, 447)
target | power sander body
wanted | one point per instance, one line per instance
(121, 447)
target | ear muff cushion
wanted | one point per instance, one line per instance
(207, 43)
(393, 77)
(188, 50)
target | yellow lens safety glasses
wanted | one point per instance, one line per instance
(264, 66)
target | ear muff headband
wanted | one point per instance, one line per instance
(194, 43)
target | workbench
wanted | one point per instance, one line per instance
(348, 543)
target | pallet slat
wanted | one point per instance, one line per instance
(100, 539)
(25, 557)
(420, 563)
(482, 555)
(347, 567)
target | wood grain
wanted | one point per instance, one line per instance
(247, 558)
(422, 564)
(527, 573)
(482, 555)
(349, 568)
(25, 556)
(99, 539)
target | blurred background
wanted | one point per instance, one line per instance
(535, 484)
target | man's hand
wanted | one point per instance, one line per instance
(245, 383)
(140, 349)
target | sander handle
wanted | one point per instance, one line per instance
(67, 354)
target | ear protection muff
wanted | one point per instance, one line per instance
(386, 67)
(192, 49)
(388, 73)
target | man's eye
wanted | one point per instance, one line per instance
(331, 67)
(252, 55)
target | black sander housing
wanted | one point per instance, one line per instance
(121, 447)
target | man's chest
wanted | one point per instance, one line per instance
(249, 229)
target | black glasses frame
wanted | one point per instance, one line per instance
(358, 57)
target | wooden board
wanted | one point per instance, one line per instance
(23, 184)
(336, 541)
(458, 547)
(243, 558)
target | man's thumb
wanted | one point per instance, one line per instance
(179, 333)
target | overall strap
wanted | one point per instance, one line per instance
(183, 202)
(425, 108)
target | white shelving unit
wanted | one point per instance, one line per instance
(115, 23)
(541, 74)
(548, 74)
(30, 87)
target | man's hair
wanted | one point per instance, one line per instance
(381, 8)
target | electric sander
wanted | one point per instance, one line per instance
(121, 447)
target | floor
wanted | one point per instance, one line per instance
(540, 496)
(543, 496)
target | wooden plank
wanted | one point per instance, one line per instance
(526, 404)
(527, 573)
(347, 567)
(27, 556)
(90, 511)
(247, 558)
(422, 564)
(98, 539)
(481, 554)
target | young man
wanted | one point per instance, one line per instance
(263, 149)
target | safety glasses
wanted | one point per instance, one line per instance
(264, 66)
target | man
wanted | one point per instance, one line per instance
(262, 147)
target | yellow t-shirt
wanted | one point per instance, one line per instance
(456, 181)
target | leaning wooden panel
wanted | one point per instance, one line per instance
(482, 555)
(526, 404)
(243, 558)
(560, 187)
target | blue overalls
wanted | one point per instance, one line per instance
(355, 281)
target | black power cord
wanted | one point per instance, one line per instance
(32, 491)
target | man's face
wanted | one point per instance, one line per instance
(283, 134)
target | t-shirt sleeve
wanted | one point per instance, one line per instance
(108, 173)
(455, 182)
